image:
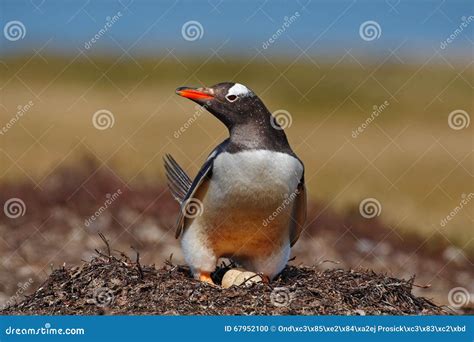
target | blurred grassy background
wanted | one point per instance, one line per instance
(408, 157)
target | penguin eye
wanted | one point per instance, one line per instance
(231, 98)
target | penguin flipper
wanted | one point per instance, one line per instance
(298, 216)
(196, 190)
(192, 204)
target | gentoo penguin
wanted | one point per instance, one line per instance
(248, 201)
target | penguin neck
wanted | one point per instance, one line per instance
(258, 134)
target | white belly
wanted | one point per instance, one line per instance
(253, 179)
(248, 200)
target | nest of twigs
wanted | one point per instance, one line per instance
(114, 284)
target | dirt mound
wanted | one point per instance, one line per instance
(117, 285)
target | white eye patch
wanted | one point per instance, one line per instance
(239, 90)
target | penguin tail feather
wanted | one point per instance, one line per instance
(179, 182)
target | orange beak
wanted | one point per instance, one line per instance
(194, 93)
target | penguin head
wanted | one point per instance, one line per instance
(232, 103)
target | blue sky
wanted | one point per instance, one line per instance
(325, 28)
